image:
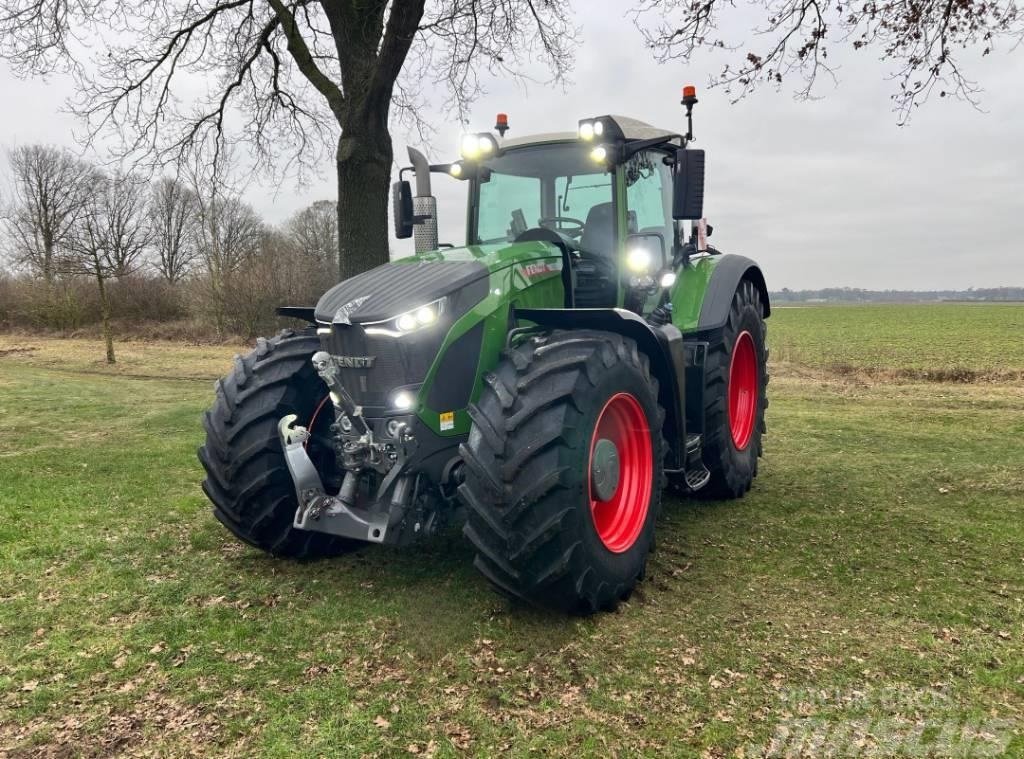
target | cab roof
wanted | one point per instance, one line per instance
(633, 129)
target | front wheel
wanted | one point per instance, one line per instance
(735, 396)
(564, 471)
(247, 479)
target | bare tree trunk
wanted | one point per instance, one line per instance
(108, 338)
(48, 265)
(364, 173)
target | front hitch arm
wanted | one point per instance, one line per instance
(318, 510)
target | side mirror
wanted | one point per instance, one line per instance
(688, 185)
(401, 200)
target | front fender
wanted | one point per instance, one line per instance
(730, 271)
(703, 293)
(662, 345)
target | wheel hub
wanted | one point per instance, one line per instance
(604, 469)
(743, 390)
(620, 472)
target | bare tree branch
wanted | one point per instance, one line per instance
(921, 38)
(50, 190)
(297, 81)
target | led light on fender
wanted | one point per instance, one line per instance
(638, 260)
(455, 169)
(599, 154)
(426, 315)
(335, 398)
(406, 322)
(403, 400)
(668, 279)
(586, 131)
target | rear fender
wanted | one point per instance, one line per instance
(662, 345)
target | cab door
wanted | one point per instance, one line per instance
(648, 217)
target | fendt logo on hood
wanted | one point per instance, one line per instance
(343, 314)
(355, 362)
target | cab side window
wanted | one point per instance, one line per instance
(649, 197)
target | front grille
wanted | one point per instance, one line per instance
(398, 361)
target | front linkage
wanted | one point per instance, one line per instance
(374, 508)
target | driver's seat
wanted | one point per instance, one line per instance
(596, 280)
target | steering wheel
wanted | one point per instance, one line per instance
(560, 221)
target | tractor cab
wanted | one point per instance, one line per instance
(612, 196)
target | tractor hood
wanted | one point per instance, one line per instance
(405, 284)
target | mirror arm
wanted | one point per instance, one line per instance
(630, 149)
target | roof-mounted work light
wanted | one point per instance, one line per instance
(473, 147)
(599, 129)
(608, 138)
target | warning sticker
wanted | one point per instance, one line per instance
(447, 421)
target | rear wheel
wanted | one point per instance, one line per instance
(564, 471)
(735, 396)
(247, 478)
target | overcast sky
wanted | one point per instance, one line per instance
(824, 193)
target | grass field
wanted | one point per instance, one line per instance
(924, 341)
(867, 597)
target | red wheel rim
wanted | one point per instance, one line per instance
(620, 519)
(742, 390)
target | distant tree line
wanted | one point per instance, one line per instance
(180, 256)
(857, 295)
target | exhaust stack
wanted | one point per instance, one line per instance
(424, 205)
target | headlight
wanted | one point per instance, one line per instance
(403, 400)
(410, 321)
(599, 154)
(638, 260)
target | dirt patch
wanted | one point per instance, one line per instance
(867, 375)
(17, 350)
(952, 374)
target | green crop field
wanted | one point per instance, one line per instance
(865, 599)
(974, 339)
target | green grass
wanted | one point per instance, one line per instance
(877, 562)
(981, 338)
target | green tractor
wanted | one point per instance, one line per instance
(540, 385)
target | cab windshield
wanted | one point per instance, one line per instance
(555, 186)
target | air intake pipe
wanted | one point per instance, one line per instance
(424, 205)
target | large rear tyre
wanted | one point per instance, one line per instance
(735, 397)
(247, 478)
(564, 471)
